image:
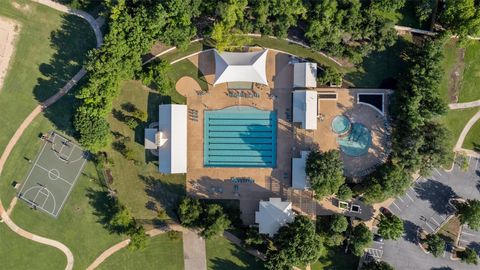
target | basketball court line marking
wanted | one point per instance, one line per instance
(48, 171)
(70, 190)
(36, 204)
(31, 169)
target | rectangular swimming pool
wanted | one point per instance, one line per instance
(240, 136)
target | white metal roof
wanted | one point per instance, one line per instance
(240, 67)
(299, 176)
(272, 215)
(305, 75)
(305, 108)
(172, 123)
(150, 138)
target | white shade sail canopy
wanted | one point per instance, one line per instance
(305, 75)
(305, 108)
(240, 67)
(272, 215)
(171, 138)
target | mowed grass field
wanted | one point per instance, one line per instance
(470, 89)
(222, 254)
(51, 48)
(472, 141)
(139, 185)
(161, 252)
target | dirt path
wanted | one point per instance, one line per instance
(456, 76)
(9, 30)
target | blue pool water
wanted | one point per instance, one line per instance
(357, 142)
(240, 136)
(340, 124)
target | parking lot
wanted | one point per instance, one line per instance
(425, 206)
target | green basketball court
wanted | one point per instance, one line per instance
(53, 175)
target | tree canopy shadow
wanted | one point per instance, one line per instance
(411, 230)
(70, 44)
(104, 207)
(475, 246)
(249, 261)
(167, 194)
(437, 194)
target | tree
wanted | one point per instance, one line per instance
(253, 238)
(390, 227)
(325, 171)
(122, 220)
(469, 213)
(329, 75)
(294, 244)
(179, 28)
(344, 193)
(338, 223)
(138, 238)
(435, 244)
(468, 256)
(388, 181)
(224, 33)
(189, 212)
(377, 265)
(361, 238)
(424, 9)
(462, 17)
(214, 222)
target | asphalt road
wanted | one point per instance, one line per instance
(425, 205)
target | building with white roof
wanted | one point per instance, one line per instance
(272, 215)
(305, 75)
(240, 67)
(299, 176)
(305, 108)
(170, 138)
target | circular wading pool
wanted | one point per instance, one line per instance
(341, 124)
(357, 142)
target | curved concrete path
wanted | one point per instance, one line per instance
(466, 129)
(464, 105)
(94, 24)
(36, 111)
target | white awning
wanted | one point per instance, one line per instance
(150, 138)
(272, 215)
(172, 136)
(299, 176)
(240, 67)
(305, 75)
(305, 108)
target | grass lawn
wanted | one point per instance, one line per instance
(335, 259)
(455, 121)
(17, 252)
(222, 254)
(161, 252)
(471, 75)
(140, 186)
(450, 230)
(450, 52)
(50, 49)
(472, 141)
(185, 68)
(380, 68)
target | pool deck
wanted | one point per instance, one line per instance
(204, 182)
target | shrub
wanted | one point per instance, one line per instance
(435, 244)
(468, 256)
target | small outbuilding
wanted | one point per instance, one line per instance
(170, 138)
(305, 108)
(240, 67)
(299, 175)
(272, 215)
(305, 75)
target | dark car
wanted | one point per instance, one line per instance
(377, 238)
(385, 211)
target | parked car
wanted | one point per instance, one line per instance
(378, 238)
(385, 211)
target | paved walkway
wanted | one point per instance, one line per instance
(194, 253)
(95, 24)
(107, 253)
(36, 111)
(466, 129)
(464, 105)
